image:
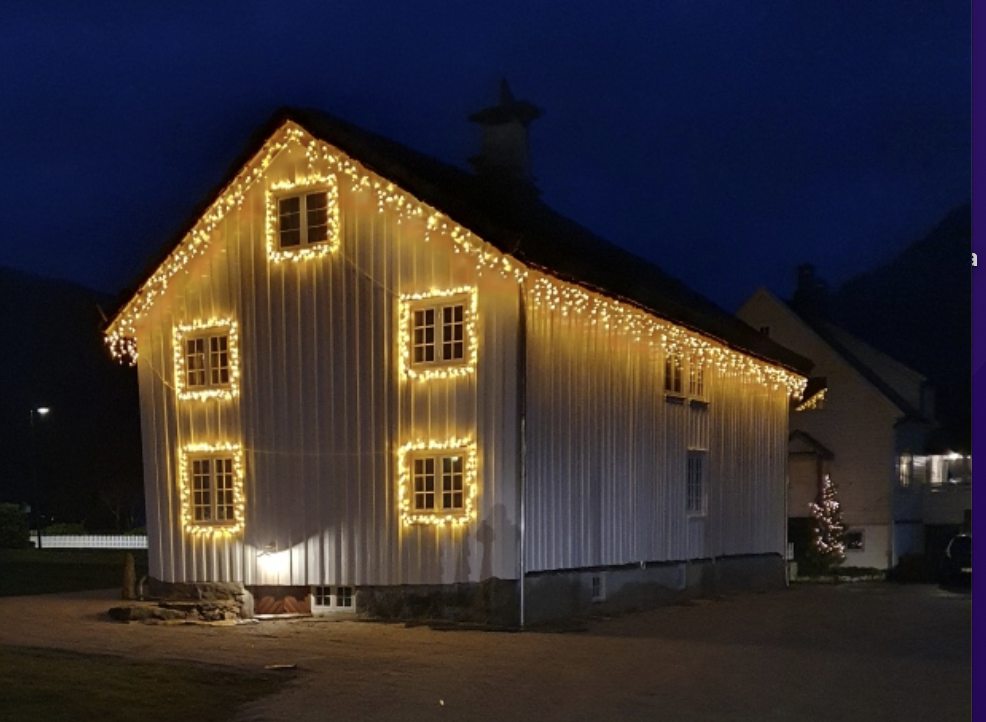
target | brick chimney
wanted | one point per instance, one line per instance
(506, 155)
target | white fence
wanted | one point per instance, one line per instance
(90, 541)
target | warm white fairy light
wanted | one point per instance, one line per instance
(222, 450)
(814, 402)
(422, 372)
(209, 327)
(566, 297)
(308, 184)
(464, 447)
(669, 338)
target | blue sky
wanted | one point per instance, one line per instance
(725, 141)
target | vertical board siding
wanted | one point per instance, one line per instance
(322, 413)
(607, 454)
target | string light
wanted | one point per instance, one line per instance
(192, 526)
(413, 301)
(307, 184)
(601, 311)
(463, 447)
(226, 391)
(814, 402)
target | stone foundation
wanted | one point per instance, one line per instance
(492, 602)
(209, 601)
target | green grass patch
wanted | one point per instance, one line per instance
(53, 686)
(47, 571)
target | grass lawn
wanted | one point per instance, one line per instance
(52, 686)
(45, 571)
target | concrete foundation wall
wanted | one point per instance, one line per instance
(561, 595)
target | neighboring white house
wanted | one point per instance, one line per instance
(371, 379)
(865, 420)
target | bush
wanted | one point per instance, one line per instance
(14, 531)
(62, 529)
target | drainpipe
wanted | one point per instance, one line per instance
(522, 445)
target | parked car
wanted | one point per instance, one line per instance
(956, 565)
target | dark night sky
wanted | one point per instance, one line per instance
(726, 141)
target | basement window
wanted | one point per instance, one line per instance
(598, 588)
(335, 598)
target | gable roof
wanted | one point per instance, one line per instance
(516, 222)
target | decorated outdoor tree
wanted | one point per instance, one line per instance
(827, 547)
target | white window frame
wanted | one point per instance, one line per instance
(441, 364)
(685, 378)
(442, 498)
(696, 472)
(333, 598)
(228, 483)
(301, 190)
(408, 482)
(304, 222)
(209, 333)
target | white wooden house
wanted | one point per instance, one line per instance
(369, 378)
(867, 426)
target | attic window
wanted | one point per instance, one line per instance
(303, 219)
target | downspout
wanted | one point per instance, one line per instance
(522, 442)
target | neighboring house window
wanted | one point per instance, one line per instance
(212, 489)
(695, 483)
(765, 330)
(904, 470)
(206, 360)
(438, 334)
(854, 540)
(437, 481)
(303, 219)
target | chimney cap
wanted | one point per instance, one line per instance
(507, 110)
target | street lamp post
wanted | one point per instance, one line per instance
(41, 412)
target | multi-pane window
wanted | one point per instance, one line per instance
(207, 363)
(695, 483)
(679, 371)
(338, 597)
(673, 367)
(303, 220)
(696, 380)
(212, 481)
(438, 334)
(438, 482)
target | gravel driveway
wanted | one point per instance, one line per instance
(851, 652)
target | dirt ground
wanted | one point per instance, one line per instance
(852, 652)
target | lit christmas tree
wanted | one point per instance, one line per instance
(827, 548)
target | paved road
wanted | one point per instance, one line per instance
(867, 652)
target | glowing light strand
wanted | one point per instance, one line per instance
(213, 325)
(422, 372)
(566, 297)
(465, 447)
(192, 526)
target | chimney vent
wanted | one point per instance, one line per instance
(506, 154)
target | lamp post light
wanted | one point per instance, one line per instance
(40, 412)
